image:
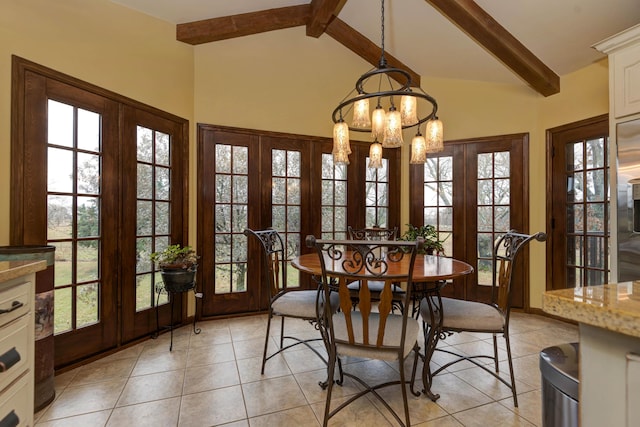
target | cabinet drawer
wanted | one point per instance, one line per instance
(15, 342)
(18, 398)
(15, 302)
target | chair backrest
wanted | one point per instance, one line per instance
(345, 261)
(275, 260)
(505, 253)
(374, 233)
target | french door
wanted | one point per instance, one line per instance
(578, 218)
(247, 181)
(102, 181)
(260, 179)
(153, 216)
(472, 192)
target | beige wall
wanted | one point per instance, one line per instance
(280, 81)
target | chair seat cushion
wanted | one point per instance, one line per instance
(375, 286)
(302, 303)
(466, 315)
(392, 335)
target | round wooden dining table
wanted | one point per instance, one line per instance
(430, 273)
(427, 268)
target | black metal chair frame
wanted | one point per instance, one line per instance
(375, 234)
(505, 251)
(365, 264)
(275, 274)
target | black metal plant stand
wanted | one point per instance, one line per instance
(162, 289)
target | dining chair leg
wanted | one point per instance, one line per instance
(266, 343)
(330, 381)
(414, 370)
(495, 353)
(431, 333)
(403, 386)
(513, 379)
(340, 372)
(282, 332)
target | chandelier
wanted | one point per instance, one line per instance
(396, 108)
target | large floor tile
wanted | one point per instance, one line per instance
(272, 395)
(146, 388)
(78, 400)
(492, 414)
(302, 416)
(93, 419)
(159, 413)
(212, 408)
(209, 377)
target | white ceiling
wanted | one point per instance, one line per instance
(558, 32)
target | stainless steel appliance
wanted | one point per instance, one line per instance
(628, 206)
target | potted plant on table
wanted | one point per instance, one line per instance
(432, 242)
(179, 265)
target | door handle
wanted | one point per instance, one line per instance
(10, 420)
(14, 306)
(9, 359)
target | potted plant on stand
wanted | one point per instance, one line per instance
(179, 265)
(432, 242)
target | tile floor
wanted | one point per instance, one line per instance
(214, 379)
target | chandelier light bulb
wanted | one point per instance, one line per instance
(361, 118)
(375, 155)
(393, 129)
(378, 121)
(435, 138)
(409, 110)
(341, 146)
(418, 149)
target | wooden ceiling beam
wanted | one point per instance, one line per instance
(244, 24)
(321, 13)
(365, 48)
(479, 25)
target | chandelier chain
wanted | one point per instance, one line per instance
(383, 60)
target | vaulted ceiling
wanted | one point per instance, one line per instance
(526, 41)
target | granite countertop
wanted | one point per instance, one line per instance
(12, 269)
(614, 306)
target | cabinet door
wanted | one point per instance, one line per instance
(627, 81)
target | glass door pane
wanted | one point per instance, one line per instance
(587, 205)
(286, 204)
(74, 196)
(377, 196)
(153, 212)
(334, 199)
(231, 218)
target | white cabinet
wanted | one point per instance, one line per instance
(17, 293)
(624, 71)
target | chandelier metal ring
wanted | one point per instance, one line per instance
(338, 116)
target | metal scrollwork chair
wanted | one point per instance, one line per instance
(376, 286)
(367, 332)
(450, 315)
(286, 302)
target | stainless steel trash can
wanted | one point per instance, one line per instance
(559, 366)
